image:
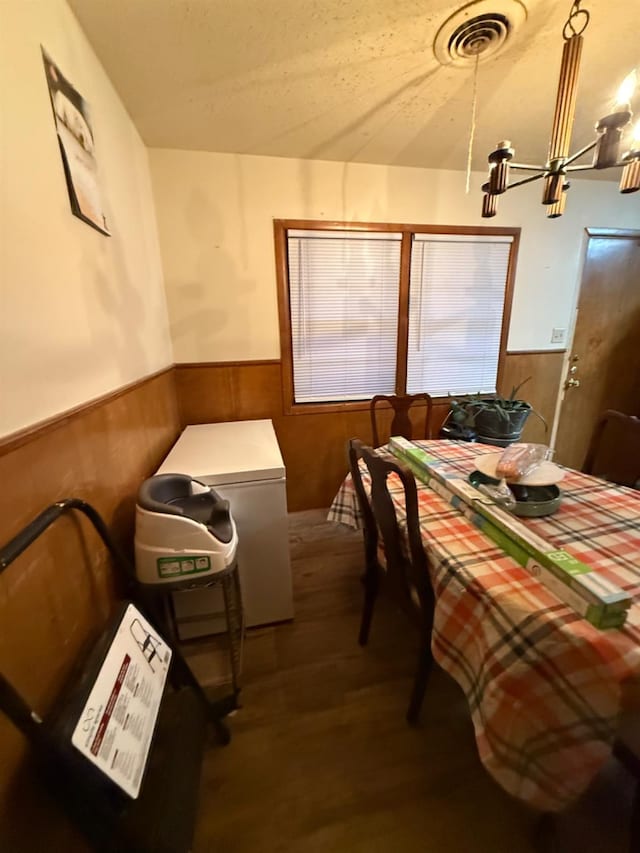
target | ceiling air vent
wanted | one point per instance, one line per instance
(480, 29)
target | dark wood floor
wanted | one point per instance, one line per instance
(322, 759)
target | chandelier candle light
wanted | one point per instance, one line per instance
(560, 163)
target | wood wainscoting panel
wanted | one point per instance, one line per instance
(541, 391)
(257, 389)
(313, 445)
(315, 455)
(59, 593)
(234, 391)
(204, 393)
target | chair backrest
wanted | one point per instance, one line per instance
(354, 452)
(614, 452)
(407, 568)
(401, 423)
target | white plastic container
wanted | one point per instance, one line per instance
(242, 461)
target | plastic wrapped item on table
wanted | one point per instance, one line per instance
(499, 493)
(521, 459)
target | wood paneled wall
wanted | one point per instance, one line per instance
(59, 592)
(313, 445)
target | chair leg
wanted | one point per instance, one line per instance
(631, 762)
(371, 583)
(544, 833)
(425, 664)
(634, 832)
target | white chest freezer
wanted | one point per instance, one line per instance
(242, 461)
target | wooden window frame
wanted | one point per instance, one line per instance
(281, 227)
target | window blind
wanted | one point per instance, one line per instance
(343, 293)
(456, 302)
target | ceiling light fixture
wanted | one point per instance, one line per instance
(560, 163)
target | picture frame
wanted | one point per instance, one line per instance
(77, 147)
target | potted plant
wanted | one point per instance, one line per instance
(496, 419)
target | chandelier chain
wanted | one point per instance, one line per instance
(472, 126)
(576, 23)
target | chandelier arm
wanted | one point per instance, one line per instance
(586, 167)
(579, 153)
(527, 167)
(526, 181)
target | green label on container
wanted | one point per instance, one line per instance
(170, 567)
(566, 563)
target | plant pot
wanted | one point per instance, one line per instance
(503, 428)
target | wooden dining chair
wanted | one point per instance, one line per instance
(627, 750)
(371, 577)
(405, 565)
(614, 452)
(401, 423)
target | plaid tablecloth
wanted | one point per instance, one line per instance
(544, 686)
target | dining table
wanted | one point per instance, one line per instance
(545, 688)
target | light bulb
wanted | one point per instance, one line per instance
(627, 88)
(635, 135)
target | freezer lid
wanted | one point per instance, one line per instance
(233, 452)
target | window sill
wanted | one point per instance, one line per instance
(352, 406)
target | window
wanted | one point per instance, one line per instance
(383, 309)
(456, 301)
(343, 293)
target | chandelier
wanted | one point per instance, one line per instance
(560, 163)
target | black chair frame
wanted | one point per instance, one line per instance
(401, 422)
(614, 450)
(406, 565)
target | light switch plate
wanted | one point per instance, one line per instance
(558, 336)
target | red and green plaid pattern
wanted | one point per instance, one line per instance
(544, 686)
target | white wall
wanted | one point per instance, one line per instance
(215, 215)
(80, 313)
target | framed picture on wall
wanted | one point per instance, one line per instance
(75, 136)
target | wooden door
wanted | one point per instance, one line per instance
(605, 355)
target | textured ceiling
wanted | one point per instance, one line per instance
(352, 80)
